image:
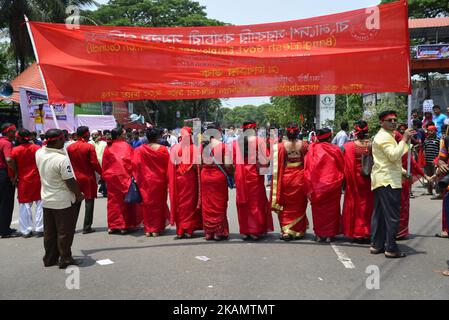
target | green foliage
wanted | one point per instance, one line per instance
(426, 8)
(6, 63)
(152, 13)
(399, 104)
(12, 17)
(347, 108)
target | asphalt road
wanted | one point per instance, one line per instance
(164, 268)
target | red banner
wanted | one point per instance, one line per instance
(360, 51)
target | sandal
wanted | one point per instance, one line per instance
(319, 239)
(395, 255)
(443, 235)
(286, 237)
(254, 237)
(445, 273)
(375, 251)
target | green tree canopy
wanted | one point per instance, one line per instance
(152, 13)
(426, 8)
(12, 17)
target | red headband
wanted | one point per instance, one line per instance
(293, 129)
(10, 128)
(433, 128)
(61, 136)
(388, 115)
(325, 136)
(186, 131)
(250, 126)
(360, 130)
(24, 138)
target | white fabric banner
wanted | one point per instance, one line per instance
(95, 122)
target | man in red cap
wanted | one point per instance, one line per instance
(7, 188)
(85, 163)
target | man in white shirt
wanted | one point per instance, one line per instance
(230, 136)
(59, 194)
(342, 137)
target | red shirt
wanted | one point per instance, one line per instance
(85, 162)
(5, 151)
(29, 182)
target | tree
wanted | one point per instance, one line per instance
(12, 17)
(152, 13)
(162, 13)
(426, 8)
(6, 63)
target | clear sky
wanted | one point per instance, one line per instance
(243, 12)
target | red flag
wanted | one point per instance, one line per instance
(365, 50)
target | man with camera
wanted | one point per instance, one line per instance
(386, 182)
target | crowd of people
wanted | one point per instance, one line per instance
(304, 168)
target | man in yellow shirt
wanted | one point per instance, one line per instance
(386, 182)
(39, 118)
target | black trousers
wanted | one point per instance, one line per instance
(385, 222)
(429, 169)
(103, 189)
(88, 215)
(6, 202)
(59, 230)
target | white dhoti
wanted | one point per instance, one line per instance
(26, 218)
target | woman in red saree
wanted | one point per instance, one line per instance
(288, 197)
(117, 172)
(324, 173)
(250, 154)
(214, 187)
(184, 186)
(150, 170)
(358, 206)
(407, 184)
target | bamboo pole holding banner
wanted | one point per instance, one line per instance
(410, 125)
(39, 68)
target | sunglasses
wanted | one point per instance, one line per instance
(391, 120)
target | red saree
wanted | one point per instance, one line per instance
(358, 205)
(288, 197)
(416, 172)
(253, 208)
(184, 186)
(117, 172)
(324, 173)
(214, 194)
(150, 170)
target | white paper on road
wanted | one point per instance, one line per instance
(105, 262)
(343, 257)
(202, 258)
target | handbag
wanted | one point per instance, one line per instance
(133, 195)
(230, 179)
(367, 163)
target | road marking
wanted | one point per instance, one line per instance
(343, 257)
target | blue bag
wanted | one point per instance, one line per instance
(133, 195)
